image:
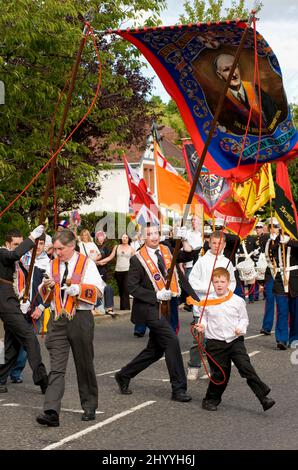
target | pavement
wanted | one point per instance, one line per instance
(149, 419)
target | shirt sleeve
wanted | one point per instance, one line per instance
(243, 317)
(93, 277)
(195, 276)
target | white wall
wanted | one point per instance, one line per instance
(114, 193)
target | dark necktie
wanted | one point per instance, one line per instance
(161, 264)
(63, 282)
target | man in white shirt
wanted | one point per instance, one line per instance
(224, 320)
(194, 239)
(200, 281)
(73, 283)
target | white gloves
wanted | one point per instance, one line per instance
(72, 290)
(25, 306)
(181, 232)
(164, 294)
(37, 232)
(273, 236)
(284, 239)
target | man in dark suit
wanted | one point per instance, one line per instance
(146, 283)
(18, 332)
(242, 99)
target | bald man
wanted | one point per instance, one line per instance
(242, 97)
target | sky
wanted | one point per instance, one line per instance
(278, 23)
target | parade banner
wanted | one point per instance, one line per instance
(193, 63)
(211, 189)
(285, 209)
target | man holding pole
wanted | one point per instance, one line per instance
(147, 284)
(18, 332)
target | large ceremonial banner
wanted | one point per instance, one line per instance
(193, 63)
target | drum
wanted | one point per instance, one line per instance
(247, 272)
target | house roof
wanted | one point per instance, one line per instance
(134, 153)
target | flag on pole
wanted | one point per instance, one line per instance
(256, 191)
(172, 189)
(285, 209)
(141, 199)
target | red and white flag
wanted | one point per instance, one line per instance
(141, 199)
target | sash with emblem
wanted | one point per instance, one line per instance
(154, 273)
(66, 307)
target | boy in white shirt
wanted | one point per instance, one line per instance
(224, 321)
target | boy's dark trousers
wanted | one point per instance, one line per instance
(224, 353)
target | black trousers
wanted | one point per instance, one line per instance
(121, 278)
(224, 353)
(18, 332)
(162, 340)
(76, 334)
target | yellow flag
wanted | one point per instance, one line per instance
(255, 192)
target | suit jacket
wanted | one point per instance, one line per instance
(145, 306)
(8, 299)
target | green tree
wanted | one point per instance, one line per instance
(212, 10)
(38, 46)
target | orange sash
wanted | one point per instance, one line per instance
(252, 101)
(207, 302)
(154, 273)
(67, 307)
(21, 281)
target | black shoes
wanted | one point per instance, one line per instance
(123, 384)
(282, 346)
(187, 308)
(88, 415)
(267, 403)
(17, 381)
(44, 384)
(138, 335)
(49, 418)
(3, 389)
(183, 397)
(264, 332)
(208, 405)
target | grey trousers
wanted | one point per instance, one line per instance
(78, 335)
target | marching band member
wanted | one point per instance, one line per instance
(285, 289)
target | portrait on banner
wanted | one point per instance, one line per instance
(212, 67)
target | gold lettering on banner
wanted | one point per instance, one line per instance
(288, 216)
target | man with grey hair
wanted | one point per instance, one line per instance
(72, 283)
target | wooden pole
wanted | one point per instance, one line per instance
(43, 210)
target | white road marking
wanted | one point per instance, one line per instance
(79, 434)
(107, 373)
(11, 404)
(253, 353)
(70, 410)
